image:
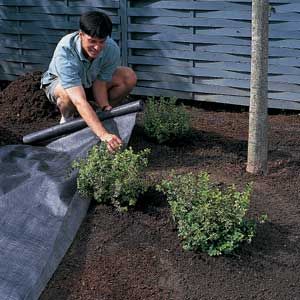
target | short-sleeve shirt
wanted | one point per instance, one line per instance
(73, 69)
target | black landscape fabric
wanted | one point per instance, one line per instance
(40, 208)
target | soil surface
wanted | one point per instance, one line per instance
(137, 255)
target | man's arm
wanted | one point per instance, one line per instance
(101, 94)
(78, 98)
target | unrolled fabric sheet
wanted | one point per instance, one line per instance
(40, 209)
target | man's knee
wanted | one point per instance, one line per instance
(130, 78)
(125, 76)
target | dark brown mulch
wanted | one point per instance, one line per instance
(24, 107)
(138, 255)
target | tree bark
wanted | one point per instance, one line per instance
(258, 110)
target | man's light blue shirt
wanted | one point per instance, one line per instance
(72, 68)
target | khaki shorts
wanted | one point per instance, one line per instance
(49, 90)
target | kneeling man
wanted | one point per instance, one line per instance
(88, 59)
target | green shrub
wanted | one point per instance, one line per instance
(208, 219)
(165, 121)
(112, 178)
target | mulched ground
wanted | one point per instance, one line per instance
(138, 255)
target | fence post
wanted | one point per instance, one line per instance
(124, 34)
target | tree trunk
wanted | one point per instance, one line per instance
(258, 110)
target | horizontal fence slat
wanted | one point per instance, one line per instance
(229, 49)
(158, 61)
(286, 61)
(190, 87)
(230, 32)
(242, 83)
(285, 78)
(292, 7)
(191, 38)
(91, 3)
(285, 96)
(20, 27)
(16, 44)
(286, 43)
(158, 28)
(213, 57)
(62, 10)
(193, 72)
(22, 58)
(42, 52)
(189, 22)
(160, 92)
(162, 77)
(139, 44)
(212, 23)
(152, 12)
(202, 5)
(235, 100)
(11, 68)
(8, 77)
(38, 29)
(281, 82)
(218, 66)
(102, 3)
(195, 55)
(44, 18)
(223, 82)
(279, 104)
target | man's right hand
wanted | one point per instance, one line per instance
(113, 142)
(78, 98)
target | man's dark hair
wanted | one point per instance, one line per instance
(95, 24)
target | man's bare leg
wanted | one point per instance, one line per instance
(64, 103)
(123, 81)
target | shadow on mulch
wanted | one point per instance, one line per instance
(151, 202)
(270, 246)
(199, 146)
(195, 138)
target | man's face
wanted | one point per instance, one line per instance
(91, 46)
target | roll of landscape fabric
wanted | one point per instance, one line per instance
(79, 123)
(40, 208)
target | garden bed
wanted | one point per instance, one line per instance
(137, 255)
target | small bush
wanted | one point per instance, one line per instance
(164, 121)
(208, 219)
(112, 178)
